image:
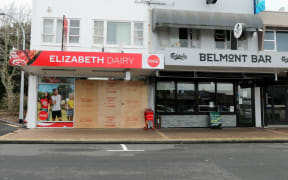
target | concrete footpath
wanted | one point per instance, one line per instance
(141, 136)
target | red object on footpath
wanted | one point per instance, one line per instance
(149, 119)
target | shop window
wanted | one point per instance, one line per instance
(55, 101)
(74, 31)
(166, 90)
(119, 33)
(180, 97)
(206, 96)
(225, 97)
(185, 97)
(165, 94)
(98, 37)
(223, 39)
(138, 34)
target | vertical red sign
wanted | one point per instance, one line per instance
(64, 33)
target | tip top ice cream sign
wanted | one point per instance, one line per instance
(86, 59)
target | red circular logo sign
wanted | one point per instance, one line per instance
(43, 115)
(153, 61)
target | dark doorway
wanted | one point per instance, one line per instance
(276, 105)
(245, 106)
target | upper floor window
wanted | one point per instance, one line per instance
(118, 33)
(98, 32)
(182, 37)
(223, 39)
(276, 40)
(74, 31)
(53, 29)
(138, 34)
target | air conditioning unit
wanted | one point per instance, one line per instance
(211, 1)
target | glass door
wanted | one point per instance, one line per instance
(245, 106)
(277, 105)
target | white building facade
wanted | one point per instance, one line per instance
(106, 46)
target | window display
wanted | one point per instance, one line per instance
(194, 97)
(206, 96)
(225, 97)
(56, 102)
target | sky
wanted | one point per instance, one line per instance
(273, 5)
(4, 3)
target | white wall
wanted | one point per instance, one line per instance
(227, 6)
(258, 113)
(31, 116)
(87, 11)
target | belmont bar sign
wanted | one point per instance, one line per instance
(86, 59)
(237, 58)
(224, 58)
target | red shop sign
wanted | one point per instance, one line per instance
(43, 115)
(75, 59)
(153, 61)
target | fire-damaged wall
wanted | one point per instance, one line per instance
(110, 104)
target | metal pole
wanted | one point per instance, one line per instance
(21, 103)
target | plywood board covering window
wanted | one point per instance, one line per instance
(110, 104)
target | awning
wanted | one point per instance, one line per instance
(203, 20)
(84, 63)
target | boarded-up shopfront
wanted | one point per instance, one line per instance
(110, 104)
(65, 90)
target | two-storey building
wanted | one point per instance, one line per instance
(207, 68)
(88, 65)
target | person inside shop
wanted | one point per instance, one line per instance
(70, 110)
(56, 105)
(45, 102)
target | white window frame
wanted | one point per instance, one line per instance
(119, 45)
(68, 35)
(93, 30)
(174, 41)
(55, 19)
(226, 42)
(143, 30)
(275, 40)
(105, 44)
(53, 31)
